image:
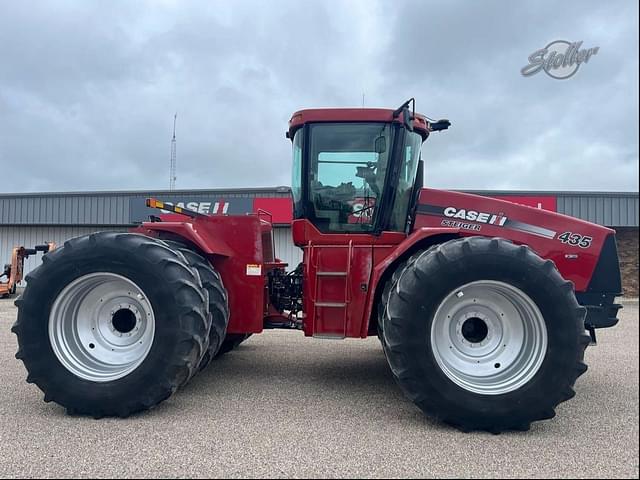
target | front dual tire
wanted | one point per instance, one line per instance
(483, 334)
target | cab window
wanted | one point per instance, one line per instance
(348, 166)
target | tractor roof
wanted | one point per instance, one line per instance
(298, 119)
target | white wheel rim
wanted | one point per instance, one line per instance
(101, 327)
(489, 337)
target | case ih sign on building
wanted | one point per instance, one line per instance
(139, 212)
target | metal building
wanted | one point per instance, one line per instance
(33, 218)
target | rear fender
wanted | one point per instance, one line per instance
(187, 231)
(234, 247)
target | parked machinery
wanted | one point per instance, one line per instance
(12, 272)
(483, 307)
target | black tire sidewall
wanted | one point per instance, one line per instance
(218, 298)
(157, 369)
(441, 276)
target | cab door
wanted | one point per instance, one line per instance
(336, 287)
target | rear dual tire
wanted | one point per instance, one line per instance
(483, 334)
(220, 342)
(218, 302)
(112, 324)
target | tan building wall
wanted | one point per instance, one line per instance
(627, 240)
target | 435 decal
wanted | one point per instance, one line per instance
(575, 239)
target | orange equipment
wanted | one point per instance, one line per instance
(13, 271)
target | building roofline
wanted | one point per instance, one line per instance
(279, 189)
(554, 192)
(285, 189)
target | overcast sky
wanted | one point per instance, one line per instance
(88, 89)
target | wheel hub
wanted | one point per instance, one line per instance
(101, 327)
(488, 337)
(474, 330)
(125, 320)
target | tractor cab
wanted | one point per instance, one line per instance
(356, 177)
(356, 170)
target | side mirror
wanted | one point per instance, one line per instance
(440, 125)
(380, 144)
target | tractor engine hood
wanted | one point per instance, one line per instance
(578, 248)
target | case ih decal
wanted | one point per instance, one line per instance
(488, 218)
(474, 216)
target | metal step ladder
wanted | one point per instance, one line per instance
(344, 305)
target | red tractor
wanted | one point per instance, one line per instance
(483, 307)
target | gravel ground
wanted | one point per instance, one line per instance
(285, 406)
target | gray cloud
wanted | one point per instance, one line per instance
(88, 90)
(515, 132)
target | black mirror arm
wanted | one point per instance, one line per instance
(404, 106)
